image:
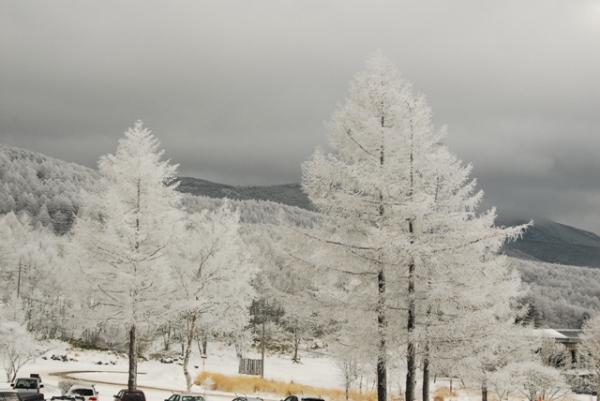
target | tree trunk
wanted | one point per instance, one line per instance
(381, 306)
(295, 358)
(426, 378)
(167, 337)
(188, 351)
(132, 374)
(426, 358)
(381, 358)
(484, 392)
(347, 381)
(411, 354)
(19, 279)
(411, 357)
(262, 342)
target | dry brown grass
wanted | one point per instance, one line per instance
(252, 384)
(443, 393)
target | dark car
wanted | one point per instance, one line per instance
(296, 398)
(127, 395)
(9, 396)
(15, 396)
(185, 397)
(67, 398)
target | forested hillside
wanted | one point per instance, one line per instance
(559, 295)
(50, 190)
(287, 194)
(46, 188)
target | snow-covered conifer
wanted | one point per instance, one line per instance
(400, 232)
(125, 232)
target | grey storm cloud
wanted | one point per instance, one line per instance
(238, 91)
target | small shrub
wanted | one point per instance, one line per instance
(65, 385)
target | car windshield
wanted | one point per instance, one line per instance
(83, 391)
(26, 383)
(192, 398)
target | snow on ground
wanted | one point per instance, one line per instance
(167, 378)
(85, 365)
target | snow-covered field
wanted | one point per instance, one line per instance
(159, 380)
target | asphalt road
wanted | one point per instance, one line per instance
(107, 388)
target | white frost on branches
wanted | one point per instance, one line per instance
(125, 231)
(211, 275)
(17, 346)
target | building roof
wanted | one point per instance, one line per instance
(571, 334)
(549, 333)
(561, 335)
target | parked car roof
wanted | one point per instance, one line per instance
(243, 397)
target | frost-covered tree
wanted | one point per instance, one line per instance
(537, 381)
(212, 273)
(17, 345)
(17, 254)
(488, 358)
(400, 231)
(287, 282)
(589, 349)
(32, 271)
(125, 233)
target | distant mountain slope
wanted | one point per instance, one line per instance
(546, 240)
(552, 242)
(287, 194)
(48, 189)
(558, 295)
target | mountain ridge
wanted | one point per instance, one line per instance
(44, 185)
(288, 194)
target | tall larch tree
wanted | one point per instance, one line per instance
(399, 222)
(354, 188)
(125, 231)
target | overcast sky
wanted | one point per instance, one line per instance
(239, 91)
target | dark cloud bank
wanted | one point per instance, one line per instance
(238, 91)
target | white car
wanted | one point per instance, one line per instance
(88, 393)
